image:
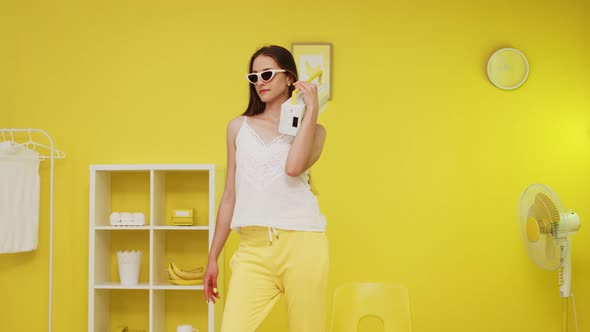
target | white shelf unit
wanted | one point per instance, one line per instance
(154, 304)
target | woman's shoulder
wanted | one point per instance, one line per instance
(236, 122)
(234, 125)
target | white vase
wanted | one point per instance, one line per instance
(129, 266)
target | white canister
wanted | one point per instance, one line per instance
(129, 266)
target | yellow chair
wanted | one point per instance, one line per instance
(387, 302)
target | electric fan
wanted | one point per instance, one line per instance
(293, 110)
(546, 232)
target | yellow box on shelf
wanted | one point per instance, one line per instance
(182, 221)
(183, 217)
(183, 213)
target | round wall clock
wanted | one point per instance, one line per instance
(508, 68)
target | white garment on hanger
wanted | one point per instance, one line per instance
(19, 198)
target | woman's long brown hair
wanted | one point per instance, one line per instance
(285, 60)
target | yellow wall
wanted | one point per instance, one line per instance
(424, 163)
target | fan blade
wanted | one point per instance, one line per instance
(541, 216)
(533, 229)
(541, 220)
(550, 247)
(552, 210)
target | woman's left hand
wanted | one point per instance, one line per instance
(310, 94)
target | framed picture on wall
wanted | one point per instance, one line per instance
(310, 57)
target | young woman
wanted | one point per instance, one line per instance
(268, 200)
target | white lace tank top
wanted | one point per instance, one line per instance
(265, 194)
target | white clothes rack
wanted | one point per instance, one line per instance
(8, 136)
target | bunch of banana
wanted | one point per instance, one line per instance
(179, 276)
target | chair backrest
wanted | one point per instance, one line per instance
(355, 301)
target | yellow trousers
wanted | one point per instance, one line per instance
(268, 264)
